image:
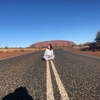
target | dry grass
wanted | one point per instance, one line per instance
(14, 52)
(85, 52)
(3, 50)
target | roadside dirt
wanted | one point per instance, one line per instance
(9, 54)
(97, 54)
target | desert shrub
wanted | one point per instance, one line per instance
(21, 50)
(1, 51)
(15, 51)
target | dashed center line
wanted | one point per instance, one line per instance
(63, 93)
(50, 95)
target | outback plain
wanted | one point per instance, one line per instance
(70, 76)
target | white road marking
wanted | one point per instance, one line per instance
(64, 95)
(50, 95)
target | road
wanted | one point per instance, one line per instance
(68, 77)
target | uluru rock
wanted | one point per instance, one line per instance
(55, 43)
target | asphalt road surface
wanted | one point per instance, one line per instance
(68, 77)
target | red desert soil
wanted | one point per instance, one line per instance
(97, 54)
(9, 54)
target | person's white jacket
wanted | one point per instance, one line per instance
(48, 54)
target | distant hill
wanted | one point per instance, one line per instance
(55, 43)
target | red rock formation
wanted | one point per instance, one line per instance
(57, 43)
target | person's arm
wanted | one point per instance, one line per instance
(52, 53)
(45, 53)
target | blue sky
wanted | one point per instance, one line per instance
(24, 22)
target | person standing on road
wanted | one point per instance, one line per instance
(49, 54)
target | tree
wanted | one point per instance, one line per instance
(97, 39)
(87, 44)
(6, 47)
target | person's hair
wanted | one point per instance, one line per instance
(50, 46)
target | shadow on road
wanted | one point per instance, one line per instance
(20, 93)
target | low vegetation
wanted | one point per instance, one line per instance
(88, 46)
(7, 49)
(93, 46)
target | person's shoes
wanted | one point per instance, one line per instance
(43, 59)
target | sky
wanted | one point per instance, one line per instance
(24, 22)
